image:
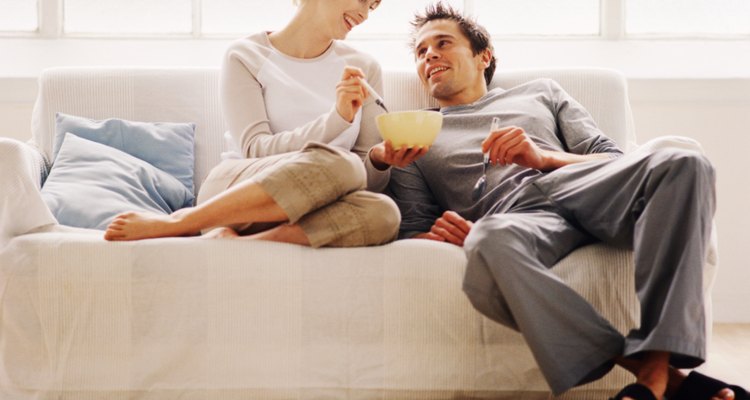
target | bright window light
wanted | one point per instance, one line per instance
(128, 17)
(688, 17)
(539, 17)
(18, 16)
(245, 16)
(393, 17)
(509, 18)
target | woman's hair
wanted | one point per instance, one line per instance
(478, 36)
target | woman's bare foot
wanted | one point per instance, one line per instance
(136, 226)
(284, 233)
(221, 233)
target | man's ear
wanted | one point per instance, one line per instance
(486, 58)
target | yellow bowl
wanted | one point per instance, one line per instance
(410, 128)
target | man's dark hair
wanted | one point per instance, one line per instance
(478, 36)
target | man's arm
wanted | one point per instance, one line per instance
(577, 130)
(511, 145)
(420, 214)
(415, 200)
(556, 159)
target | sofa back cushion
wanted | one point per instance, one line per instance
(135, 94)
(191, 94)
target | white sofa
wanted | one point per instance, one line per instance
(190, 318)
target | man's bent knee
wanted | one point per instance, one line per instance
(689, 165)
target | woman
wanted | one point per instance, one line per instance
(296, 106)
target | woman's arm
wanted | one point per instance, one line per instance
(244, 109)
(377, 179)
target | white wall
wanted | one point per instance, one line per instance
(707, 101)
(717, 114)
(15, 119)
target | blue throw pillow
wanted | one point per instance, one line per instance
(91, 183)
(165, 145)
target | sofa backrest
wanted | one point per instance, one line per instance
(191, 95)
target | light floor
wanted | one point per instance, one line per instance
(729, 354)
(728, 360)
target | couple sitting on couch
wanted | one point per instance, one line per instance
(304, 181)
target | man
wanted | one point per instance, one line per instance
(555, 183)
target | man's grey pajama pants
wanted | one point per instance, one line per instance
(659, 203)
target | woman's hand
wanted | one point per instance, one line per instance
(350, 93)
(384, 155)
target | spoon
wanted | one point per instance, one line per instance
(373, 93)
(481, 184)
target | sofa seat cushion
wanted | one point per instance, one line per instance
(217, 319)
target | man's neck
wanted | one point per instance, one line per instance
(463, 98)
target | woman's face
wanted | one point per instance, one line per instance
(344, 15)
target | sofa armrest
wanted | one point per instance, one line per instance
(23, 158)
(22, 170)
(36, 163)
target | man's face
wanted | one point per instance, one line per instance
(446, 64)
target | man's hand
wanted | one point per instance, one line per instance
(451, 228)
(511, 145)
(383, 155)
(350, 93)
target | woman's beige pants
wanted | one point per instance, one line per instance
(321, 189)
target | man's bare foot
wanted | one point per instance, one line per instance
(675, 376)
(136, 226)
(651, 371)
(724, 394)
(221, 233)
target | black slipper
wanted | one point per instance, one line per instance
(635, 391)
(701, 387)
